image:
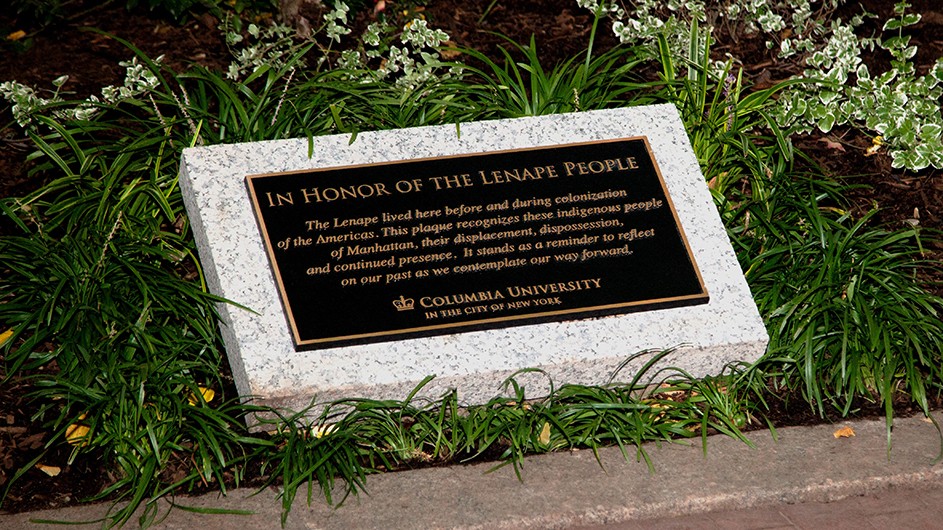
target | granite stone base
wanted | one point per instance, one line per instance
(268, 369)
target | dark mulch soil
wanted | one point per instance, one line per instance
(561, 30)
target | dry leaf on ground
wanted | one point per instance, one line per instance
(5, 336)
(844, 432)
(52, 471)
(207, 393)
(76, 433)
(544, 437)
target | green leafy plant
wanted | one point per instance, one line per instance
(272, 45)
(26, 103)
(903, 109)
(408, 57)
(734, 137)
(95, 284)
(841, 301)
(524, 88)
(847, 318)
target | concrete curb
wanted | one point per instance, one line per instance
(802, 465)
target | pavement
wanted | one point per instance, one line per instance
(801, 477)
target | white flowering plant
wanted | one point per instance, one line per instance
(409, 57)
(27, 103)
(898, 108)
(274, 45)
(271, 45)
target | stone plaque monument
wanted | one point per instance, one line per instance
(565, 242)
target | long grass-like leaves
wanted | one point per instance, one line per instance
(841, 300)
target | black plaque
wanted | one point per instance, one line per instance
(414, 248)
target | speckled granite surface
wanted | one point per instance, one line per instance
(258, 342)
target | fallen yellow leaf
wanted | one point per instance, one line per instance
(207, 393)
(5, 336)
(876, 144)
(844, 432)
(77, 434)
(544, 437)
(16, 35)
(49, 470)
